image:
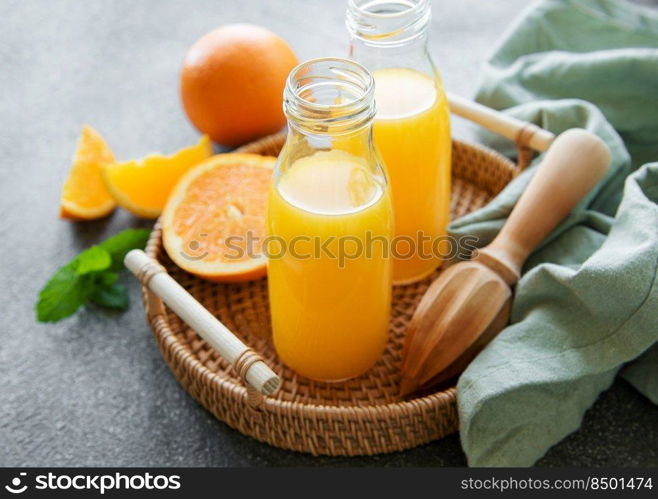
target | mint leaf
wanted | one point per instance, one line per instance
(117, 246)
(63, 294)
(108, 278)
(92, 260)
(112, 296)
(91, 276)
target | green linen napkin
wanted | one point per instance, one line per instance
(586, 306)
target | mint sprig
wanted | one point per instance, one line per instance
(90, 277)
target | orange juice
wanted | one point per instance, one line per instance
(329, 314)
(412, 134)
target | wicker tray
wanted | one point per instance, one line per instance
(362, 416)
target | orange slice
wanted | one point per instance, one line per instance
(143, 186)
(84, 195)
(214, 223)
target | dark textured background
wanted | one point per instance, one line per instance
(93, 390)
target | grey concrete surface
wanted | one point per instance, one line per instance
(94, 390)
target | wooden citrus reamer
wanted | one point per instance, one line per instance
(470, 302)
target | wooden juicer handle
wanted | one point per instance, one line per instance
(574, 163)
(248, 365)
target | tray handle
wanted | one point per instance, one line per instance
(528, 136)
(256, 375)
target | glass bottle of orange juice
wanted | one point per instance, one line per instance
(330, 225)
(412, 127)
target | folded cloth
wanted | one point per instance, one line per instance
(586, 306)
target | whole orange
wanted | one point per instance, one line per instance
(232, 83)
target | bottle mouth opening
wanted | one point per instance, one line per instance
(387, 22)
(330, 94)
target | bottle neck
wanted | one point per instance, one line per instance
(388, 23)
(385, 33)
(303, 142)
(329, 96)
(413, 54)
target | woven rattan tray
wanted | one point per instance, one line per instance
(361, 416)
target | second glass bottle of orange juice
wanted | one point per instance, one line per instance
(412, 127)
(330, 222)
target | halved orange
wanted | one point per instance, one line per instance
(84, 195)
(143, 186)
(213, 225)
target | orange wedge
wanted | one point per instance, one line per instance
(143, 186)
(214, 223)
(84, 195)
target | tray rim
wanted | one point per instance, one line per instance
(233, 388)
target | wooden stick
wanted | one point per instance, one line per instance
(248, 364)
(512, 128)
